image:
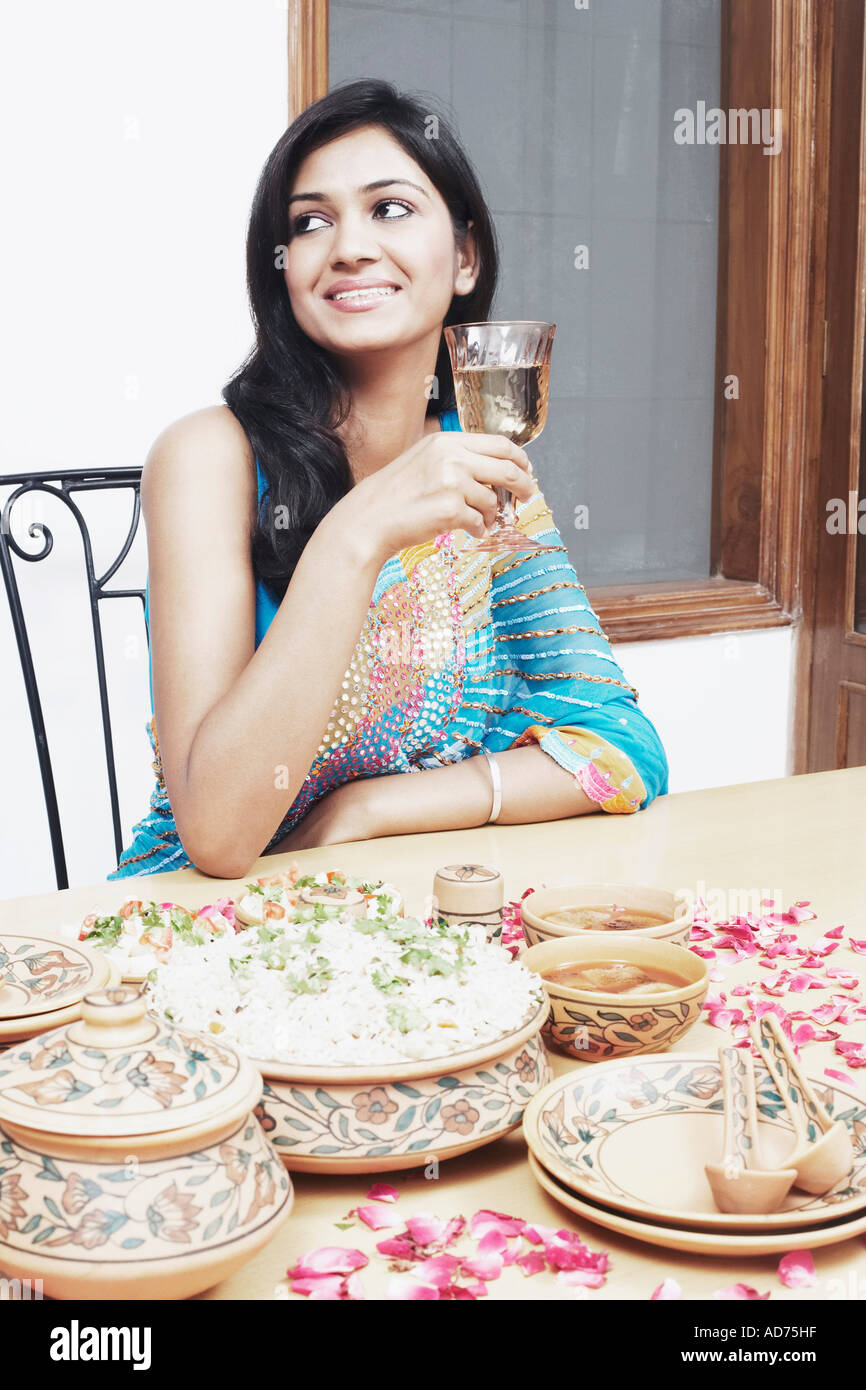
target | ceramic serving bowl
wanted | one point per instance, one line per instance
(536, 906)
(592, 1026)
(131, 1164)
(405, 1114)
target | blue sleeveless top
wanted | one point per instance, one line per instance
(462, 652)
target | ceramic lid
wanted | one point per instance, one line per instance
(39, 975)
(468, 889)
(347, 898)
(119, 1070)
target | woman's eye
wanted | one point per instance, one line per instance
(300, 224)
(394, 203)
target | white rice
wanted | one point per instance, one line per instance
(349, 1020)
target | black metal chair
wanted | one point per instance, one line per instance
(62, 485)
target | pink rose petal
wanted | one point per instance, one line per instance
(858, 946)
(375, 1217)
(425, 1229)
(495, 1220)
(533, 1262)
(439, 1270)
(839, 1076)
(398, 1247)
(797, 1270)
(320, 1287)
(740, 1291)
(328, 1259)
(408, 1289)
(382, 1192)
(487, 1266)
(668, 1290)
(586, 1278)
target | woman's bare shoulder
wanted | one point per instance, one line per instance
(207, 448)
(205, 442)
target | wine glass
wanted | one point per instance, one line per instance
(501, 376)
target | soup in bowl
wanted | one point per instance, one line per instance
(609, 909)
(617, 995)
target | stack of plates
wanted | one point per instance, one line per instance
(623, 1143)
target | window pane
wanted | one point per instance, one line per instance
(568, 116)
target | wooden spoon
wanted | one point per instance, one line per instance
(740, 1183)
(822, 1153)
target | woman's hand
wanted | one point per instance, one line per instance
(346, 813)
(443, 483)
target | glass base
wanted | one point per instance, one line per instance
(502, 540)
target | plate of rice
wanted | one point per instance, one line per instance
(321, 990)
(384, 1041)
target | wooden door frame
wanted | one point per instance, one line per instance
(772, 248)
(836, 423)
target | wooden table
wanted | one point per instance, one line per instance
(800, 836)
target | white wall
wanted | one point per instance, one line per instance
(134, 140)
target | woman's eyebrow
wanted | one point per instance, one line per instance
(366, 188)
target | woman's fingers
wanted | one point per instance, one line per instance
(482, 502)
(494, 445)
(497, 472)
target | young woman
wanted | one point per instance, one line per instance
(317, 630)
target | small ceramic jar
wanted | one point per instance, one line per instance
(43, 981)
(131, 1164)
(470, 893)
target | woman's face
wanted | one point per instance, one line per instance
(364, 216)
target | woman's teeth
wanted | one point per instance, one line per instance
(379, 291)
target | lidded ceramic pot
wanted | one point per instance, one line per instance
(131, 1164)
(472, 894)
(43, 981)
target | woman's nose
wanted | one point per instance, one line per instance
(354, 240)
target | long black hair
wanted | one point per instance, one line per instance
(288, 395)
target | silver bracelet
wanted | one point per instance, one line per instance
(497, 786)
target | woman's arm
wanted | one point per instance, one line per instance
(457, 796)
(230, 717)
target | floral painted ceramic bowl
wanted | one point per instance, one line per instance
(43, 981)
(405, 1114)
(673, 908)
(592, 1026)
(131, 1165)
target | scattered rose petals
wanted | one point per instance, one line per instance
(853, 1052)
(797, 1270)
(858, 946)
(838, 1076)
(669, 1289)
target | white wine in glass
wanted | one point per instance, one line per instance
(501, 376)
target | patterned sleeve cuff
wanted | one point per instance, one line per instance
(602, 771)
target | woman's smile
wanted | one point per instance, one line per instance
(357, 296)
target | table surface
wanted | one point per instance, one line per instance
(797, 837)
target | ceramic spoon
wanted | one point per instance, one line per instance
(822, 1152)
(740, 1183)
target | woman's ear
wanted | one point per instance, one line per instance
(467, 265)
